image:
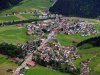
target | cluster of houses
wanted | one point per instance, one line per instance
(40, 28)
(73, 26)
(30, 46)
(53, 51)
(63, 25)
(35, 12)
(84, 28)
(85, 70)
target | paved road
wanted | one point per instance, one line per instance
(23, 64)
(50, 36)
(54, 3)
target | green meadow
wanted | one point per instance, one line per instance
(5, 64)
(39, 70)
(13, 34)
(27, 5)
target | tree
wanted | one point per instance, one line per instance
(10, 50)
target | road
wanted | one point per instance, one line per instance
(54, 3)
(22, 65)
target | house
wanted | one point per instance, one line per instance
(31, 63)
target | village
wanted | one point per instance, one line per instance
(49, 37)
(48, 52)
(66, 26)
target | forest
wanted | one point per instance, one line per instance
(4, 4)
(80, 8)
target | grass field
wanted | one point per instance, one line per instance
(68, 39)
(17, 17)
(6, 64)
(8, 18)
(95, 62)
(39, 70)
(28, 16)
(27, 5)
(13, 34)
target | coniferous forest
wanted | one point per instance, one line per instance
(81, 8)
(4, 4)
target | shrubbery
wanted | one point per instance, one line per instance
(11, 50)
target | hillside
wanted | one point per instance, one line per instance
(28, 5)
(81, 8)
(8, 3)
(23, 6)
